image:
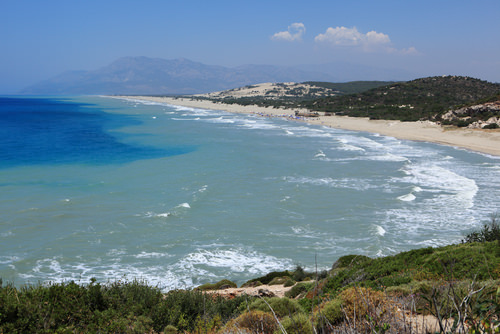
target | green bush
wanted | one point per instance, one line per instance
(289, 282)
(279, 280)
(298, 289)
(281, 306)
(489, 231)
(268, 278)
(332, 311)
(250, 284)
(491, 126)
(254, 321)
(297, 324)
(299, 274)
(216, 286)
(126, 307)
(169, 329)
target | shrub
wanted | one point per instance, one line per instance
(491, 126)
(297, 324)
(414, 287)
(332, 311)
(170, 330)
(253, 322)
(298, 289)
(489, 232)
(268, 278)
(216, 286)
(279, 280)
(184, 308)
(349, 260)
(299, 274)
(289, 282)
(281, 306)
(369, 308)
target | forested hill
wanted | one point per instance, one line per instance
(350, 87)
(426, 98)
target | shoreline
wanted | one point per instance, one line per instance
(478, 140)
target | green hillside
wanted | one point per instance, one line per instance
(420, 99)
(350, 87)
(457, 281)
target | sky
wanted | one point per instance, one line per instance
(41, 39)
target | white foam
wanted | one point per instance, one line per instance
(305, 232)
(447, 184)
(310, 180)
(238, 260)
(284, 199)
(407, 198)
(348, 147)
(387, 157)
(380, 230)
(116, 252)
(346, 183)
(260, 125)
(52, 265)
(361, 141)
(192, 111)
(151, 214)
(8, 259)
(320, 154)
(184, 205)
(220, 119)
(151, 255)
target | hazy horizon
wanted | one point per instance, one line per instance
(42, 40)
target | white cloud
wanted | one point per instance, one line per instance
(410, 51)
(350, 37)
(340, 36)
(294, 33)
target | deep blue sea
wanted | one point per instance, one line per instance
(121, 189)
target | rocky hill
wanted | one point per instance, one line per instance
(479, 116)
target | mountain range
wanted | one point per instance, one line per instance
(155, 76)
(143, 75)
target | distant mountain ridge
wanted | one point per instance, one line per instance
(144, 75)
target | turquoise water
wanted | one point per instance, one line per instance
(204, 195)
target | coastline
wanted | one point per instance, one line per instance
(478, 140)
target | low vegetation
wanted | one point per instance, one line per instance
(351, 87)
(449, 100)
(420, 99)
(457, 286)
(290, 95)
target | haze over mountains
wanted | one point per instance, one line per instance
(143, 75)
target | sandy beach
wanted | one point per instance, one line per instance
(484, 141)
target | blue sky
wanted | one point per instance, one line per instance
(40, 39)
